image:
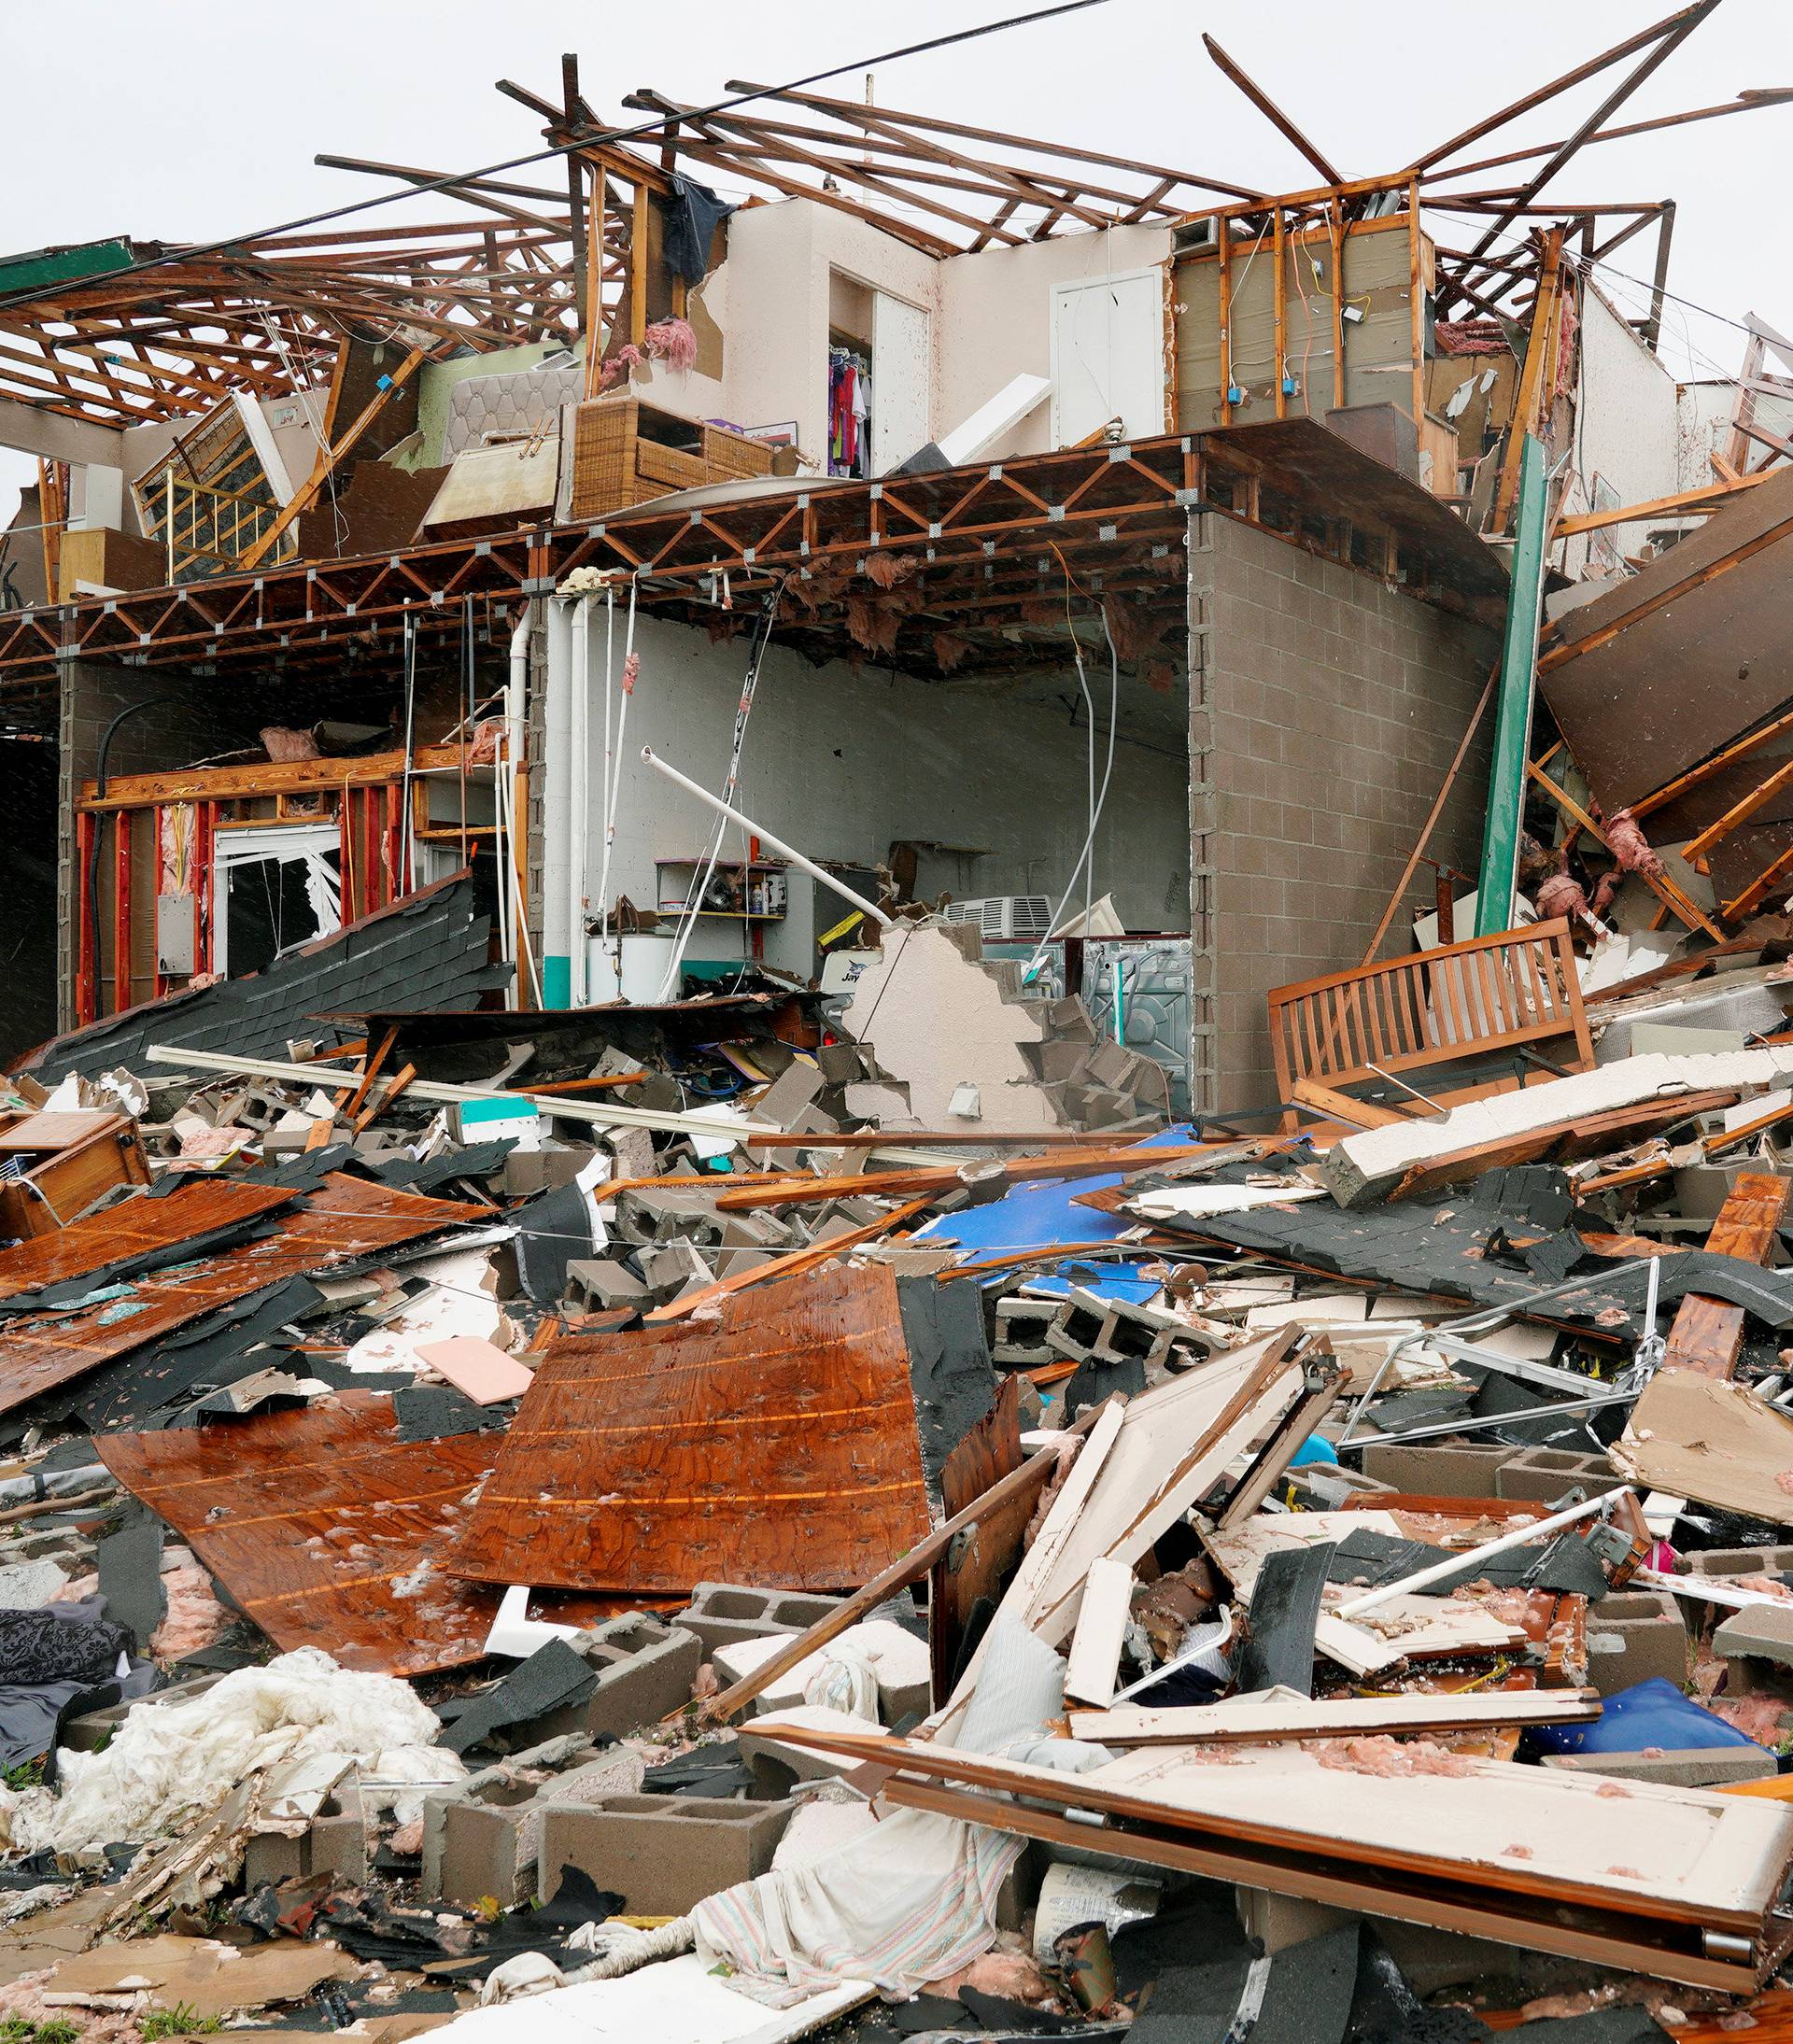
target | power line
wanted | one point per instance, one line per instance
(596, 139)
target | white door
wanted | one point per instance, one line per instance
(901, 380)
(1108, 355)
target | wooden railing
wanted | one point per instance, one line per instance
(1430, 1008)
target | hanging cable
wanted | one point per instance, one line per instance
(614, 781)
(407, 876)
(1084, 858)
(595, 138)
(743, 712)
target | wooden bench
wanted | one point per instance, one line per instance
(1429, 1009)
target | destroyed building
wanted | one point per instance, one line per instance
(898, 1142)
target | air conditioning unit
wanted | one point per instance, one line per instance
(1019, 919)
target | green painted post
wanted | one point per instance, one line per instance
(1498, 876)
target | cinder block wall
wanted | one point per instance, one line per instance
(199, 716)
(1337, 704)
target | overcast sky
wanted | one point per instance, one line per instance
(186, 119)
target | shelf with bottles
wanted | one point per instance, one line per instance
(738, 890)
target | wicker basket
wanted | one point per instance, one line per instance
(625, 451)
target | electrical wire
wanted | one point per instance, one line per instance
(743, 712)
(597, 138)
(1085, 857)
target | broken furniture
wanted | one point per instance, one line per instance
(624, 449)
(54, 1165)
(1447, 1006)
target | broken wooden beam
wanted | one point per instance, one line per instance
(1708, 1333)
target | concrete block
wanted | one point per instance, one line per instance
(1633, 1635)
(664, 1854)
(1279, 1921)
(598, 1284)
(1023, 1325)
(646, 1213)
(526, 1174)
(1437, 1473)
(1688, 1767)
(721, 1612)
(89, 1732)
(648, 1667)
(899, 1662)
(489, 1837)
(778, 1769)
(674, 1265)
(631, 1152)
(1759, 1632)
(1541, 1475)
(528, 1771)
(334, 1842)
(1740, 1562)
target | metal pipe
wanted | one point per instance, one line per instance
(1566, 1406)
(1455, 1564)
(579, 769)
(764, 835)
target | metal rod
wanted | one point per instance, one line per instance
(1490, 1419)
(759, 830)
(1455, 1564)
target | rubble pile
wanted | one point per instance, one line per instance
(617, 1501)
(610, 1429)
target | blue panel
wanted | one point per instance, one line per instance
(1038, 1215)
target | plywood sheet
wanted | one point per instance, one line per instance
(1702, 1437)
(344, 1219)
(1679, 658)
(777, 1446)
(325, 1528)
(136, 1228)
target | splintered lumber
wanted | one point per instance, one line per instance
(791, 1264)
(1029, 1480)
(1708, 1333)
(1340, 1717)
(934, 1178)
(1101, 1625)
(1546, 1860)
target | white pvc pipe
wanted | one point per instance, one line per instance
(765, 837)
(505, 758)
(580, 795)
(557, 819)
(1457, 1563)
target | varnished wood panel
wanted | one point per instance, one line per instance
(135, 1228)
(324, 1527)
(776, 1446)
(347, 1218)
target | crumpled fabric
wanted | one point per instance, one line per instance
(59, 1643)
(916, 1899)
(846, 1681)
(172, 1764)
(78, 1639)
(528, 1973)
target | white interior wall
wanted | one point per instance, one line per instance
(777, 349)
(1703, 423)
(996, 312)
(1626, 433)
(840, 764)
